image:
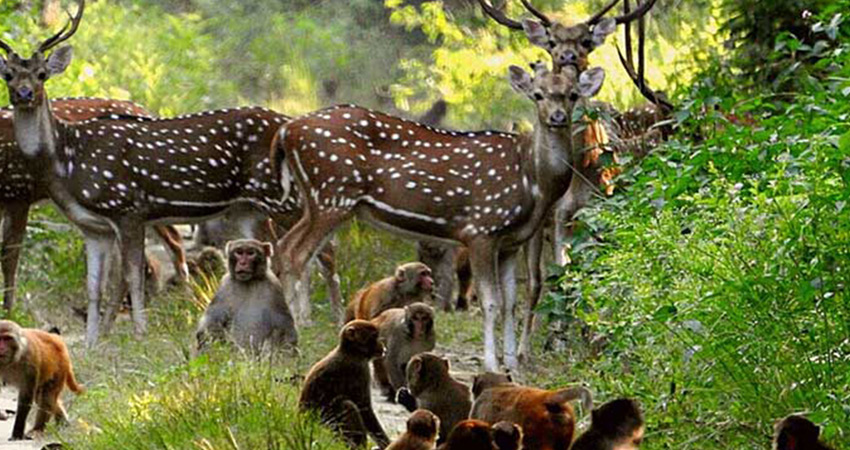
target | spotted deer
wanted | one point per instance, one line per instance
(487, 190)
(568, 46)
(113, 175)
(19, 189)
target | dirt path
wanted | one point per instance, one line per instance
(8, 402)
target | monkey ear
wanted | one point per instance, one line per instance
(446, 363)
(399, 274)
(228, 247)
(268, 249)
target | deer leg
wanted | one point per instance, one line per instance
(327, 266)
(533, 251)
(507, 278)
(14, 229)
(116, 288)
(562, 218)
(98, 247)
(133, 257)
(174, 242)
(484, 263)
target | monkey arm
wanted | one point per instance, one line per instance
(406, 399)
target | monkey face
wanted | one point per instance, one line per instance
(419, 318)
(426, 283)
(247, 260)
(9, 344)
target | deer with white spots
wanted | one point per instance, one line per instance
(19, 190)
(486, 190)
(129, 171)
(569, 47)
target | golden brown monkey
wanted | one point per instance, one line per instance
(797, 433)
(546, 417)
(37, 364)
(421, 434)
(338, 386)
(406, 332)
(411, 283)
(431, 387)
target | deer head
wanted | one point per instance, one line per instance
(556, 94)
(567, 45)
(25, 78)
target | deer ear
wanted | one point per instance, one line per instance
(602, 29)
(536, 33)
(59, 60)
(520, 80)
(268, 249)
(590, 81)
(3, 66)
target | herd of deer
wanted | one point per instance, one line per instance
(112, 168)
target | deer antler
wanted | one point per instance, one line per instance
(627, 61)
(499, 16)
(625, 17)
(545, 20)
(64, 34)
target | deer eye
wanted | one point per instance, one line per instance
(573, 97)
(42, 76)
(7, 76)
(587, 43)
(538, 96)
(551, 43)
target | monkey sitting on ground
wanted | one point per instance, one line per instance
(411, 283)
(421, 434)
(616, 425)
(472, 434)
(546, 417)
(37, 364)
(249, 304)
(406, 332)
(797, 433)
(338, 386)
(431, 387)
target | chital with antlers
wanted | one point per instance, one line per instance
(485, 189)
(128, 171)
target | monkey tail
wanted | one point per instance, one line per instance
(72, 384)
(570, 394)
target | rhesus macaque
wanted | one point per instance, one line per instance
(209, 263)
(797, 433)
(507, 436)
(431, 387)
(546, 417)
(421, 434)
(440, 258)
(411, 283)
(338, 386)
(616, 425)
(249, 304)
(406, 332)
(469, 435)
(37, 364)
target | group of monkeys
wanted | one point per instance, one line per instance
(390, 327)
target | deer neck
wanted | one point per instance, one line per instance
(36, 130)
(553, 161)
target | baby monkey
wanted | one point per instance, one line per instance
(421, 434)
